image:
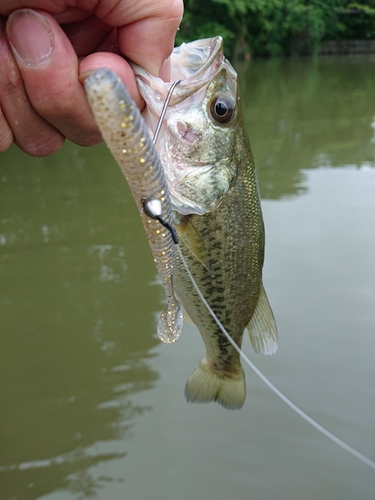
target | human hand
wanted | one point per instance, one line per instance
(44, 51)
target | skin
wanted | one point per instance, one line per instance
(48, 47)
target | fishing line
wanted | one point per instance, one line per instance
(274, 389)
(362, 458)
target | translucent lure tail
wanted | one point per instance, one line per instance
(171, 321)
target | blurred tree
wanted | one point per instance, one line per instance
(357, 21)
(276, 27)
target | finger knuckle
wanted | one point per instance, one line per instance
(42, 144)
(52, 101)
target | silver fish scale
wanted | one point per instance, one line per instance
(128, 139)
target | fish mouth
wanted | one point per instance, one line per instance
(194, 64)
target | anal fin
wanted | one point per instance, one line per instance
(262, 327)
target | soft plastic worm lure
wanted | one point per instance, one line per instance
(127, 137)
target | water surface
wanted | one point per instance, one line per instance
(92, 405)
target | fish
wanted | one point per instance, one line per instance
(128, 138)
(209, 168)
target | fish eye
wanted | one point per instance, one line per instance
(222, 109)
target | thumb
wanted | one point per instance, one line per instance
(49, 68)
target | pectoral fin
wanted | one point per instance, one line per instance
(262, 327)
(192, 240)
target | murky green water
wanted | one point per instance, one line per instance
(92, 405)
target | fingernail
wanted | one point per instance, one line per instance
(30, 36)
(85, 74)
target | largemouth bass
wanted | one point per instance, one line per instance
(211, 176)
(128, 139)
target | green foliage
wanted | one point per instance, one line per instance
(365, 9)
(207, 18)
(357, 21)
(276, 27)
(287, 27)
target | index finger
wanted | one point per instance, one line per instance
(146, 29)
(149, 41)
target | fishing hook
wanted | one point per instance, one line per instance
(163, 111)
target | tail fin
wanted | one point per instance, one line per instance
(204, 385)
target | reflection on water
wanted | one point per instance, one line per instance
(69, 355)
(92, 404)
(306, 113)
